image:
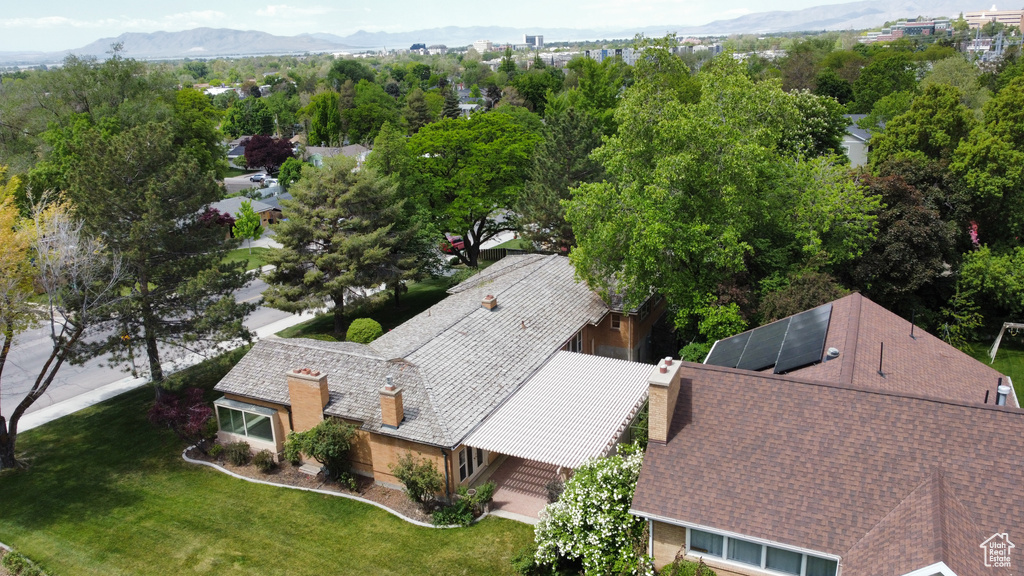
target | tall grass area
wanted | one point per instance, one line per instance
(106, 493)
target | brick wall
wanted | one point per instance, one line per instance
(308, 395)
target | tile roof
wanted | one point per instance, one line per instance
(834, 467)
(573, 409)
(922, 365)
(461, 360)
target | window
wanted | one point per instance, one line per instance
(706, 542)
(778, 560)
(783, 560)
(575, 344)
(743, 551)
(616, 322)
(245, 419)
(645, 309)
(465, 463)
(479, 458)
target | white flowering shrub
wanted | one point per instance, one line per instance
(591, 524)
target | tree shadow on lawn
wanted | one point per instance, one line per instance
(77, 464)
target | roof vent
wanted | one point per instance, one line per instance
(832, 354)
(489, 302)
(1002, 391)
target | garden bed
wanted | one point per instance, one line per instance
(287, 475)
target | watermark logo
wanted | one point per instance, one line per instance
(997, 550)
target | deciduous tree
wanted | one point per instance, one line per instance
(267, 153)
(247, 224)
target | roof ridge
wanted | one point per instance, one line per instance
(855, 388)
(927, 480)
(313, 344)
(849, 360)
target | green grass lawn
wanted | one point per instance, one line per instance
(257, 259)
(232, 172)
(107, 493)
(421, 295)
(1009, 360)
(515, 244)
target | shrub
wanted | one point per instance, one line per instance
(264, 461)
(19, 565)
(186, 415)
(238, 453)
(420, 477)
(590, 523)
(458, 514)
(682, 567)
(363, 330)
(327, 443)
(554, 489)
(524, 564)
(485, 492)
(349, 481)
(216, 450)
(292, 451)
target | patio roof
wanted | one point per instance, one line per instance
(573, 409)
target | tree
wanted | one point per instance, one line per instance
(590, 524)
(76, 275)
(290, 172)
(957, 72)
(324, 117)
(267, 153)
(147, 200)
(884, 75)
(933, 127)
(468, 169)
(417, 113)
(451, 104)
(186, 415)
(345, 69)
(372, 107)
(247, 224)
(248, 116)
(340, 234)
(821, 128)
(828, 83)
(561, 162)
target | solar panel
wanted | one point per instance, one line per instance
(805, 339)
(727, 352)
(763, 347)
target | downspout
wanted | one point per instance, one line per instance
(650, 538)
(630, 316)
(447, 489)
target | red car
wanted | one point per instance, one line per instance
(452, 244)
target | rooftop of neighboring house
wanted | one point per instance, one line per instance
(455, 362)
(234, 204)
(352, 151)
(853, 130)
(890, 480)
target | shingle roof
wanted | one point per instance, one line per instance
(234, 204)
(573, 409)
(461, 360)
(820, 466)
(922, 365)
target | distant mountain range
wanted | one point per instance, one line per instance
(214, 42)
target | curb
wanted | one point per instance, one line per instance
(318, 491)
(5, 547)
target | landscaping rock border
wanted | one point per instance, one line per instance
(184, 455)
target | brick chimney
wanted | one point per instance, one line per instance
(391, 411)
(490, 302)
(663, 392)
(307, 391)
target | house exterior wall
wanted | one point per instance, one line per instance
(856, 151)
(385, 451)
(668, 540)
(629, 342)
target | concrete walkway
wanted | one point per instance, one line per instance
(521, 488)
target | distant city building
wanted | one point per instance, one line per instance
(482, 46)
(910, 28)
(627, 55)
(416, 47)
(533, 41)
(1012, 18)
(437, 49)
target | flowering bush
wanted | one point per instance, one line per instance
(186, 415)
(591, 524)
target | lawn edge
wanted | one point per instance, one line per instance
(184, 455)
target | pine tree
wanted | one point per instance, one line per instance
(416, 113)
(451, 104)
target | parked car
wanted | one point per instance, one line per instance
(270, 182)
(452, 244)
(257, 177)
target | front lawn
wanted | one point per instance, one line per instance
(257, 259)
(421, 295)
(107, 493)
(1009, 360)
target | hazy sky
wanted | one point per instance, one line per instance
(51, 25)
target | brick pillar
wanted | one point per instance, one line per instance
(662, 393)
(307, 391)
(391, 411)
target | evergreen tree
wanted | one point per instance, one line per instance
(416, 113)
(340, 234)
(451, 104)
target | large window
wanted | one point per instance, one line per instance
(739, 550)
(246, 420)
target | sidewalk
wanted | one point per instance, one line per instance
(70, 406)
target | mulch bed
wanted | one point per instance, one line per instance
(289, 475)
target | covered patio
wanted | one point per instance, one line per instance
(575, 408)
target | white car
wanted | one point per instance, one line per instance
(270, 182)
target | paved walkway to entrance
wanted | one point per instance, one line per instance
(521, 488)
